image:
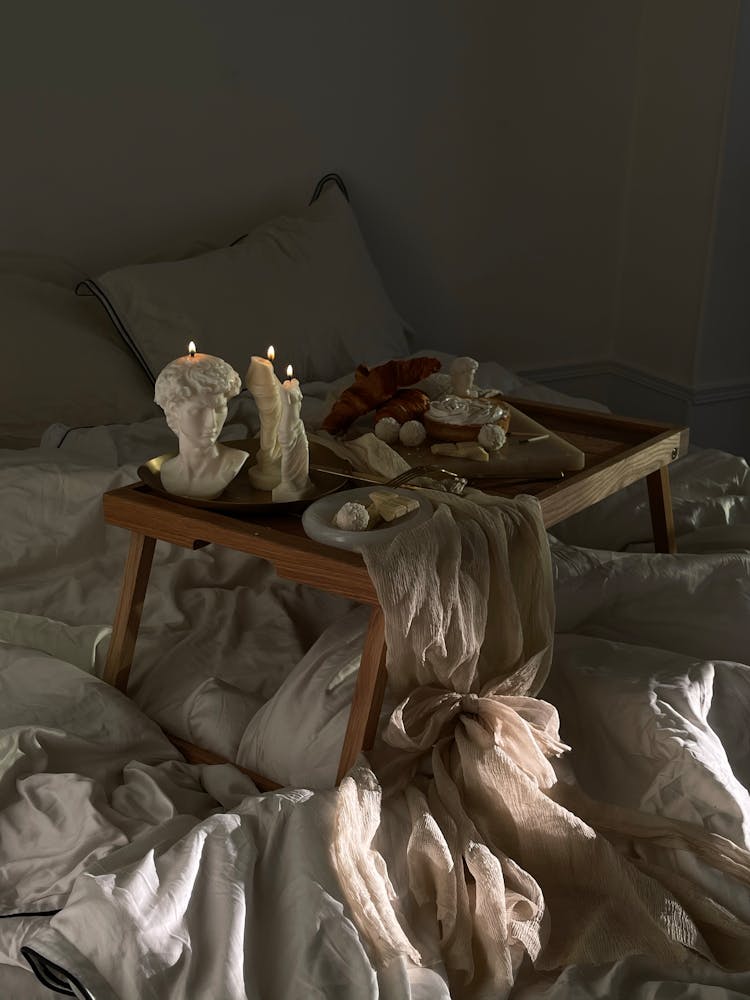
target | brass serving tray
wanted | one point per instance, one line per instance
(240, 497)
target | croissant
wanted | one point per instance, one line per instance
(373, 386)
(407, 404)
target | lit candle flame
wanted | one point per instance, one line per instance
(271, 353)
(289, 371)
(191, 348)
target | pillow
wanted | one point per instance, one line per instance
(216, 715)
(637, 720)
(61, 360)
(297, 736)
(305, 284)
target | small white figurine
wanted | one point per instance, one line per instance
(193, 391)
(463, 371)
(412, 434)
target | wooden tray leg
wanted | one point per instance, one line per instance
(660, 502)
(368, 695)
(199, 755)
(129, 609)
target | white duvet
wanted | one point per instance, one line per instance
(126, 873)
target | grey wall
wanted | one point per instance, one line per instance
(684, 70)
(679, 344)
(553, 185)
(484, 144)
(723, 350)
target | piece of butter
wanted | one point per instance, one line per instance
(391, 506)
(374, 515)
(462, 449)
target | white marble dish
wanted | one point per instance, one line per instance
(317, 519)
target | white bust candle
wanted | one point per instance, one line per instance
(194, 391)
(295, 456)
(266, 389)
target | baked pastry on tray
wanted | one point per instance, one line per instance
(374, 387)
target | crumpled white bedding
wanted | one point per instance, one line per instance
(195, 885)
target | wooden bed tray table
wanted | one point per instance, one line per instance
(619, 451)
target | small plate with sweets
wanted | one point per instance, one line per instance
(356, 519)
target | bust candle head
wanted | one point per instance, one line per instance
(193, 392)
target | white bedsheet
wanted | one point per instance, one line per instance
(195, 886)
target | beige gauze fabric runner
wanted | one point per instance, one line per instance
(496, 864)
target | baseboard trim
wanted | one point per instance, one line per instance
(695, 396)
(721, 393)
(718, 415)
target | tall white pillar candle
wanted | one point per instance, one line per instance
(266, 389)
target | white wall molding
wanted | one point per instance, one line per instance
(721, 393)
(696, 396)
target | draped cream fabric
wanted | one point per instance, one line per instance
(497, 865)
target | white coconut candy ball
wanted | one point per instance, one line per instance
(492, 437)
(412, 434)
(436, 385)
(387, 430)
(352, 517)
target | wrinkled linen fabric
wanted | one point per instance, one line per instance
(710, 503)
(82, 774)
(503, 860)
(209, 617)
(636, 977)
(76, 644)
(625, 615)
(171, 880)
(239, 905)
(366, 453)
